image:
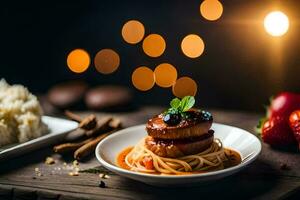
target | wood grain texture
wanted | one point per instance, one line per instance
(261, 180)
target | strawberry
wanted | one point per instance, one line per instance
(294, 122)
(276, 132)
(284, 104)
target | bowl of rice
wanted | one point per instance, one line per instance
(20, 115)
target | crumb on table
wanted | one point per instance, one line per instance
(49, 161)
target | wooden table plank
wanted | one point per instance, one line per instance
(261, 180)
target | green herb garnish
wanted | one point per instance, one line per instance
(180, 106)
(96, 170)
(258, 128)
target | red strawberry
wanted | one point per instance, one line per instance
(284, 104)
(294, 122)
(276, 132)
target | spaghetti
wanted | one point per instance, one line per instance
(211, 158)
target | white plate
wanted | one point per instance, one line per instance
(57, 130)
(238, 139)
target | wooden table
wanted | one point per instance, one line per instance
(261, 180)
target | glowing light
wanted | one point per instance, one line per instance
(211, 9)
(192, 46)
(184, 86)
(143, 78)
(107, 61)
(133, 31)
(276, 23)
(78, 60)
(154, 45)
(165, 75)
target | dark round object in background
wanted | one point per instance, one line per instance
(68, 94)
(110, 97)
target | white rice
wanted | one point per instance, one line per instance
(20, 115)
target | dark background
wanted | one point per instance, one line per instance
(241, 67)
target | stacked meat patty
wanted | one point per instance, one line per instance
(179, 136)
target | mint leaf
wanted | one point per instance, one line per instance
(175, 103)
(171, 111)
(180, 106)
(186, 103)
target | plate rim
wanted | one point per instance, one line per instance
(43, 137)
(208, 174)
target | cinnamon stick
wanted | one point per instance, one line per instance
(115, 123)
(69, 147)
(73, 116)
(75, 135)
(89, 147)
(88, 123)
(102, 125)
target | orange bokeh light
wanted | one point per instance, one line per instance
(211, 9)
(78, 60)
(143, 78)
(133, 31)
(192, 46)
(107, 61)
(184, 86)
(165, 75)
(154, 45)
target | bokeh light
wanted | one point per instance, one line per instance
(107, 61)
(211, 9)
(78, 60)
(154, 45)
(184, 86)
(133, 31)
(276, 23)
(165, 75)
(143, 78)
(192, 46)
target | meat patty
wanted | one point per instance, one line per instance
(196, 126)
(180, 147)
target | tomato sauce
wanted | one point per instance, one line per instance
(121, 158)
